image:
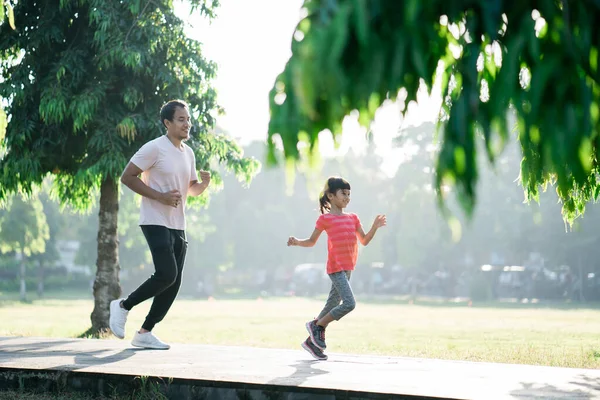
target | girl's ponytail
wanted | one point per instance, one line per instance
(323, 200)
(324, 203)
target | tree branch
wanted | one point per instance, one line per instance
(136, 20)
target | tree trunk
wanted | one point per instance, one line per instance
(40, 288)
(106, 284)
(23, 291)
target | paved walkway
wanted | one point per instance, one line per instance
(393, 375)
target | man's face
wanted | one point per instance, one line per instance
(180, 126)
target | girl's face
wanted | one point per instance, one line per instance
(340, 199)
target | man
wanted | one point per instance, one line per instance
(168, 169)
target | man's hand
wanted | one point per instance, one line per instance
(172, 198)
(197, 188)
(205, 177)
(292, 241)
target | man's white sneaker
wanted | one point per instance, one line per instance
(118, 317)
(149, 341)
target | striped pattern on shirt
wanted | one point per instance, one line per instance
(342, 243)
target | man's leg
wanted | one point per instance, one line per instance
(165, 264)
(163, 301)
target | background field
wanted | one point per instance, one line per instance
(561, 335)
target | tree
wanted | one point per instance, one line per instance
(84, 81)
(538, 58)
(23, 229)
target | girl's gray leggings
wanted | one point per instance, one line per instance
(340, 291)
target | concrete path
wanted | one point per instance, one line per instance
(290, 368)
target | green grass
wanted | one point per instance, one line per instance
(566, 335)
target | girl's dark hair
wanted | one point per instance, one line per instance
(168, 110)
(332, 185)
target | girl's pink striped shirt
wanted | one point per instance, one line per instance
(342, 243)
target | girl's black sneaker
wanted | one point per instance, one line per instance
(314, 351)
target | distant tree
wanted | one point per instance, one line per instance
(23, 230)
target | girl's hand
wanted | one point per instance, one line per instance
(292, 241)
(379, 221)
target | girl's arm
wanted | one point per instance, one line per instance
(366, 238)
(310, 242)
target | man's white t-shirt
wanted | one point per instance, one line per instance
(165, 168)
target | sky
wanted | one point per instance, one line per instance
(250, 42)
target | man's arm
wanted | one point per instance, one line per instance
(130, 178)
(197, 188)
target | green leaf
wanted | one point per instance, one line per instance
(11, 15)
(460, 160)
(594, 59)
(585, 154)
(3, 123)
(361, 14)
(126, 129)
(60, 73)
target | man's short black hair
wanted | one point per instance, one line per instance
(168, 110)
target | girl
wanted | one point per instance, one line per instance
(342, 229)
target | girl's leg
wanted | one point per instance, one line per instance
(341, 283)
(333, 309)
(333, 300)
